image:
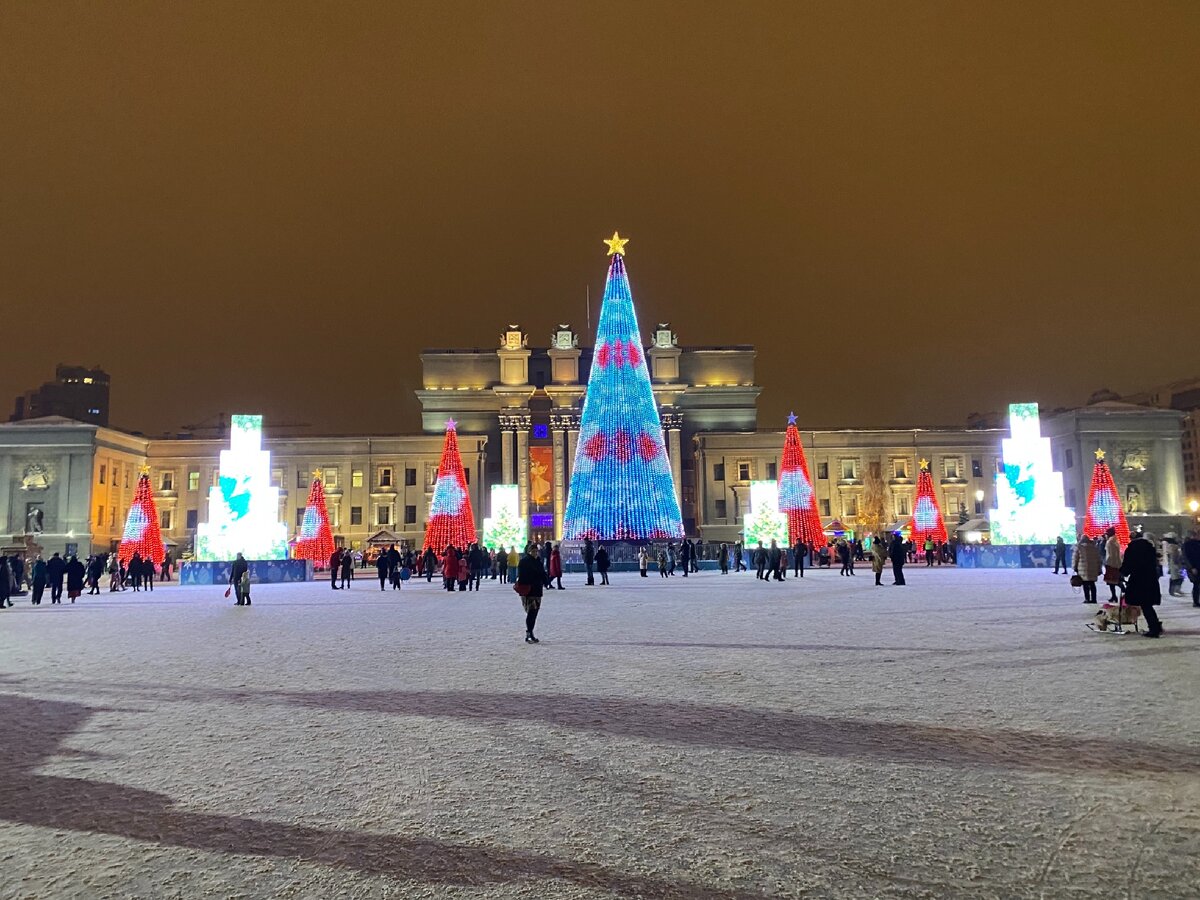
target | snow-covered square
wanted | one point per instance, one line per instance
(963, 736)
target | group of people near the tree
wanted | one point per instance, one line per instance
(62, 573)
(1135, 571)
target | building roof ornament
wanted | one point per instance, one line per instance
(664, 337)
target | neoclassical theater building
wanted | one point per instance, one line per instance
(70, 483)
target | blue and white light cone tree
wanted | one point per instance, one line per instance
(621, 486)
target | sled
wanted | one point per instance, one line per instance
(1111, 618)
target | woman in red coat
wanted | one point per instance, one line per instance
(449, 568)
(556, 566)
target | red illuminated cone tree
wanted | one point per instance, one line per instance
(142, 533)
(927, 519)
(315, 539)
(797, 500)
(451, 521)
(1104, 509)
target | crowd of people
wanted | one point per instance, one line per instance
(62, 573)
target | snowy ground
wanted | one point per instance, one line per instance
(962, 737)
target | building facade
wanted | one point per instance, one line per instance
(77, 392)
(71, 483)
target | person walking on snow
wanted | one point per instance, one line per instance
(1087, 566)
(532, 577)
(898, 554)
(1112, 562)
(1060, 555)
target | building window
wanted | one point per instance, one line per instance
(103, 473)
(850, 506)
(301, 479)
(825, 507)
(718, 472)
(979, 507)
(356, 515)
(999, 466)
(164, 520)
(128, 469)
(849, 469)
(99, 516)
(300, 516)
(112, 518)
(192, 518)
(410, 479)
(277, 478)
(901, 506)
(193, 481)
(771, 470)
(823, 471)
(899, 468)
(720, 509)
(950, 466)
(330, 477)
(383, 514)
(1069, 455)
(743, 471)
(410, 512)
(976, 469)
(953, 504)
(467, 475)
(356, 478)
(385, 477)
(168, 481)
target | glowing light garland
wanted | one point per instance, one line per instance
(927, 519)
(505, 528)
(314, 540)
(797, 500)
(451, 521)
(1029, 493)
(142, 533)
(765, 523)
(243, 507)
(1104, 508)
(621, 486)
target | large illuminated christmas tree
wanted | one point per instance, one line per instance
(451, 521)
(797, 500)
(621, 486)
(927, 514)
(315, 539)
(142, 534)
(1104, 504)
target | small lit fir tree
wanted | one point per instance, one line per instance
(314, 540)
(621, 488)
(927, 519)
(451, 521)
(797, 500)
(142, 534)
(504, 529)
(1104, 509)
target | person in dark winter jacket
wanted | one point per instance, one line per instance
(1139, 568)
(39, 580)
(602, 564)
(531, 575)
(760, 560)
(75, 575)
(1191, 563)
(347, 569)
(382, 569)
(240, 567)
(685, 557)
(898, 553)
(335, 568)
(56, 570)
(589, 559)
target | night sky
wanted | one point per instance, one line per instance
(914, 211)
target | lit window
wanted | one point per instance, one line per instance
(193, 481)
(850, 506)
(899, 468)
(356, 478)
(331, 477)
(950, 464)
(849, 469)
(383, 514)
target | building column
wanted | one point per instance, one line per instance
(558, 434)
(64, 494)
(1169, 475)
(522, 461)
(507, 427)
(672, 423)
(6, 499)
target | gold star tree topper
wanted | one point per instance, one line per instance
(1099, 454)
(616, 244)
(317, 473)
(924, 463)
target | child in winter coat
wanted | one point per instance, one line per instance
(464, 573)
